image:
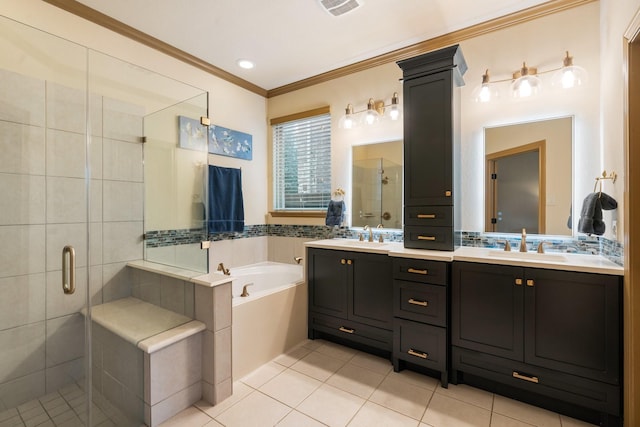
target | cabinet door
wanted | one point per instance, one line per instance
(428, 145)
(572, 323)
(328, 277)
(371, 293)
(487, 309)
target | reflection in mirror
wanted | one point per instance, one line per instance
(528, 175)
(377, 185)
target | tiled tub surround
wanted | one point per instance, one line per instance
(258, 334)
(43, 208)
(147, 359)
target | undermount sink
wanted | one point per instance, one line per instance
(530, 256)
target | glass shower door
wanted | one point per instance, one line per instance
(43, 210)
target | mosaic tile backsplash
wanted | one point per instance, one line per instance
(580, 245)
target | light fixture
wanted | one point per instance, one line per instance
(527, 81)
(485, 92)
(376, 111)
(245, 63)
(569, 75)
(348, 121)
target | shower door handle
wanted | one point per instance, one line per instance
(68, 270)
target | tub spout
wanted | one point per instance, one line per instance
(244, 290)
(298, 259)
(225, 271)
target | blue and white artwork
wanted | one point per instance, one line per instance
(193, 135)
(228, 142)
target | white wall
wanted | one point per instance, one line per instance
(615, 17)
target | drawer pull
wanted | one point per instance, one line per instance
(347, 330)
(417, 302)
(417, 353)
(426, 216)
(430, 238)
(416, 271)
(520, 376)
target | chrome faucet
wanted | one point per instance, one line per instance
(365, 228)
(225, 271)
(523, 241)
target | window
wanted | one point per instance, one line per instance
(302, 161)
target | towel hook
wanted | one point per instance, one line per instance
(612, 176)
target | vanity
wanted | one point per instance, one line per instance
(542, 328)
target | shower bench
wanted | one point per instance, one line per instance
(146, 359)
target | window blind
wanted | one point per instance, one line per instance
(302, 163)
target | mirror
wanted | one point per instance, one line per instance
(528, 177)
(377, 185)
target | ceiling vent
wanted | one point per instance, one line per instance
(339, 7)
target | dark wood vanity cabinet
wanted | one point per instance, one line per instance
(553, 334)
(420, 308)
(350, 296)
(431, 147)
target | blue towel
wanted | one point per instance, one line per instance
(226, 207)
(335, 213)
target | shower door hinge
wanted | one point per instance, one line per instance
(205, 244)
(205, 121)
(494, 176)
(143, 139)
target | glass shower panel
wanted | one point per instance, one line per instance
(43, 209)
(176, 162)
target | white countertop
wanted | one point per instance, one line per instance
(207, 280)
(549, 260)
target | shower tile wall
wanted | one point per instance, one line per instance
(43, 207)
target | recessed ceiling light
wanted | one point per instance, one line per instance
(245, 63)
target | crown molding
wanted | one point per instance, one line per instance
(535, 12)
(99, 18)
(506, 21)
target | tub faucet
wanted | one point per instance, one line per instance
(244, 290)
(523, 241)
(298, 259)
(225, 271)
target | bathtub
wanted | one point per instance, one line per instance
(272, 319)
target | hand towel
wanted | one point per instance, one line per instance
(226, 206)
(591, 215)
(335, 213)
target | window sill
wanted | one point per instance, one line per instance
(298, 214)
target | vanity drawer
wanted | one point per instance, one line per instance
(420, 302)
(440, 216)
(420, 344)
(422, 237)
(418, 270)
(352, 331)
(553, 384)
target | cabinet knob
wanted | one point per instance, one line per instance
(343, 261)
(530, 282)
(447, 193)
(519, 282)
(349, 262)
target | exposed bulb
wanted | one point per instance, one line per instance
(524, 89)
(485, 94)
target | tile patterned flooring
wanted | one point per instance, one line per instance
(63, 408)
(320, 383)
